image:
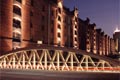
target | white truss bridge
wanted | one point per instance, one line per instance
(58, 59)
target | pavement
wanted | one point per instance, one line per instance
(12, 74)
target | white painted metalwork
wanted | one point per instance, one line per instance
(46, 59)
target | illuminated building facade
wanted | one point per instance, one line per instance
(99, 41)
(112, 46)
(87, 37)
(116, 37)
(28, 23)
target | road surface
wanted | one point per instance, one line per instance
(9, 74)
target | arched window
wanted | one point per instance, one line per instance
(16, 23)
(16, 10)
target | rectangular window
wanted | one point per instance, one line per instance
(16, 23)
(59, 35)
(59, 18)
(59, 26)
(16, 10)
(59, 10)
(16, 40)
(75, 39)
(75, 32)
(76, 26)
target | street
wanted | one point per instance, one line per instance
(55, 75)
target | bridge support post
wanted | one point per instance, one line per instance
(45, 59)
(71, 58)
(4, 63)
(58, 60)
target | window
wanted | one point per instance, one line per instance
(59, 26)
(59, 18)
(75, 26)
(59, 35)
(16, 10)
(76, 19)
(16, 40)
(76, 32)
(75, 39)
(59, 10)
(16, 23)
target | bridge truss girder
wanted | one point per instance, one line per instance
(44, 59)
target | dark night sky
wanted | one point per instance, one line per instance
(105, 13)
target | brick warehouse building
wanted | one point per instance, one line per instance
(25, 23)
(116, 37)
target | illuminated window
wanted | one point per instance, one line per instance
(16, 40)
(16, 10)
(16, 23)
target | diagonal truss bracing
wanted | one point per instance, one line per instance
(44, 59)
